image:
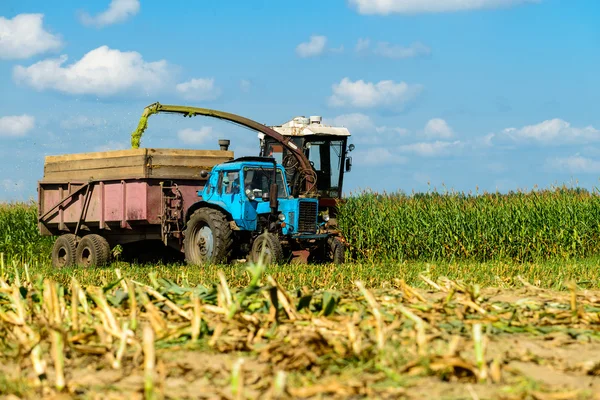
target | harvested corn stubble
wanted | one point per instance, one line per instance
(174, 341)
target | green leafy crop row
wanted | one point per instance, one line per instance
(558, 223)
(19, 235)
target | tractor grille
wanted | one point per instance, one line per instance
(307, 219)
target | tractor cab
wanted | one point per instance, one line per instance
(326, 148)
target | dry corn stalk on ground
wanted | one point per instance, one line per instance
(130, 340)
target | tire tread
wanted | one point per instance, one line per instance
(98, 247)
(69, 241)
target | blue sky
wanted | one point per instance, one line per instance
(462, 94)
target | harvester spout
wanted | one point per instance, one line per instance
(306, 170)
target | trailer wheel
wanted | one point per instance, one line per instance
(268, 246)
(337, 250)
(92, 250)
(64, 251)
(208, 238)
(105, 248)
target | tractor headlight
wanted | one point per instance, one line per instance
(281, 217)
(326, 217)
(250, 194)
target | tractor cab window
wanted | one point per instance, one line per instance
(276, 151)
(258, 180)
(231, 182)
(326, 158)
(326, 155)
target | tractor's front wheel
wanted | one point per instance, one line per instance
(267, 249)
(337, 250)
(208, 238)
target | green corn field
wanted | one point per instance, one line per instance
(558, 223)
(19, 235)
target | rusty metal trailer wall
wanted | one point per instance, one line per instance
(108, 205)
(123, 195)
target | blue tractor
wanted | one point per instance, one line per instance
(248, 208)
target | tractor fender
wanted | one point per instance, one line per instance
(206, 204)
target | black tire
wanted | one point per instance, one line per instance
(337, 250)
(92, 250)
(203, 225)
(273, 252)
(64, 251)
(105, 247)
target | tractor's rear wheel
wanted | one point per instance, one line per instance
(267, 249)
(337, 250)
(64, 251)
(92, 250)
(208, 238)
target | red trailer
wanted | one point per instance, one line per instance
(93, 201)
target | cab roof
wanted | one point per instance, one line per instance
(249, 161)
(301, 126)
(251, 158)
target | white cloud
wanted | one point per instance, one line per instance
(431, 149)
(378, 156)
(102, 71)
(554, 131)
(575, 164)
(82, 122)
(118, 11)
(365, 131)
(312, 48)
(397, 131)
(362, 44)
(386, 7)
(368, 95)
(199, 89)
(388, 50)
(353, 121)
(438, 128)
(192, 136)
(24, 36)
(16, 125)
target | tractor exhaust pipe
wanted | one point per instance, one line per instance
(224, 144)
(273, 201)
